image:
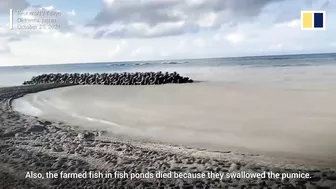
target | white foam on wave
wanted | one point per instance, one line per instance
(24, 106)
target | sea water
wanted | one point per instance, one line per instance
(317, 71)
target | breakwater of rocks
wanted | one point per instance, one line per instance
(137, 78)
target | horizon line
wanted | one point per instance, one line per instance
(127, 61)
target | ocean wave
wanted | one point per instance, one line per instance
(132, 64)
(173, 62)
(281, 65)
(125, 64)
(277, 58)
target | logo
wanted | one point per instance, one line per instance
(313, 20)
(10, 19)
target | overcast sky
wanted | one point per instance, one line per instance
(121, 30)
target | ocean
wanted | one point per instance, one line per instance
(309, 70)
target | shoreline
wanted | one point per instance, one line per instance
(33, 144)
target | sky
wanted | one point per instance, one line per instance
(132, 30)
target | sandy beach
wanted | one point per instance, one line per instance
(297, 138)
(277, 122)
(168, 94)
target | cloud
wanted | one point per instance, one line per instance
(235, 37)
(142, 30)
(4, 49)
(171, 17)
(11, 36)
(72, 13)
(13, 39)
(5, 5)
(130, 11)
(290, 24)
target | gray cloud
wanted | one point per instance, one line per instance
(15, 38)
(5, 5)
(319, 4)
(129, 32)
(130, 11)
(195, 15)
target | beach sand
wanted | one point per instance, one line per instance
(278, 122)
(128, 128)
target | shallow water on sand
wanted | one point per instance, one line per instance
(296, 123)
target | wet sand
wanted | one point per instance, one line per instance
(273, 122)
(30, 143)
